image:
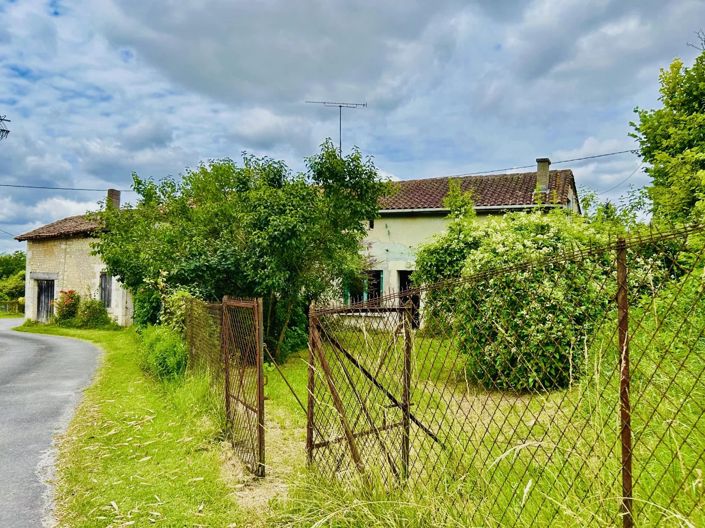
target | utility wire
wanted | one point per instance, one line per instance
(49, 188)
(623, 181)
(594, 156)
(7, 233)
(16, 186)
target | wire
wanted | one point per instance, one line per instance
(15, 186)
(623, 181)
(533, 165)
(7, 233)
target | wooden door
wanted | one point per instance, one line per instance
(45, 299)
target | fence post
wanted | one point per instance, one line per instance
(624, 379)
(225, 358)
(259, 320)
(312, 339)
(406, 391)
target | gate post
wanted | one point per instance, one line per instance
(312, 339)
(406, 391)
(624, 380)
(225, 358)
(259, 324)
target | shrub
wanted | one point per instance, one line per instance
(147, 305)
(67, 305)
(163, 352)
(173, 311)
(92, 314)
(12, 286)
(522, 330)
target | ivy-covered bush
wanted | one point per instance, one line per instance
(163, 352)
(66, 306)
(147, 305)
(173, 310)
(92, 314)
(522, 329)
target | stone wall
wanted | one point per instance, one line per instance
(68, 261)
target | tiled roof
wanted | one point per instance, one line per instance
(499, 190)
(67, 227)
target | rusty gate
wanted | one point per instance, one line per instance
(242, 345)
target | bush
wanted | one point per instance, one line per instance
(163, 353)
(67, 305)
(147, 306)
(173, 311)
(92, 314)
(522, 330)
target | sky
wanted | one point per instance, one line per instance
(98, 89)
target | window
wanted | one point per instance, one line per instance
(106, 289)
(365, 288)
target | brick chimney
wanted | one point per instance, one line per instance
(113, 198)
(542, 165)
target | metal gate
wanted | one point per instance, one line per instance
(242, 345)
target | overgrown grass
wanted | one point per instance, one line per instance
(10, 315)
(139, 452)
(532, 460)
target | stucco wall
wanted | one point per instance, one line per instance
(393, 241)
(70, 264)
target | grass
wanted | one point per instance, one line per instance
(139, 452)
(10, 315)
(517, 460)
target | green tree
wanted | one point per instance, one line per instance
(11, 263)
(672, 142)
(255, 229)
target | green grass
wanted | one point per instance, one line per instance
(10, 315)
(139, 451)
(518, 460)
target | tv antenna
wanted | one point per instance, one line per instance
(4, 131)
(340, 117)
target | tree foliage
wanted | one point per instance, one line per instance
(11, 263)
(672, 142)
(252, 230)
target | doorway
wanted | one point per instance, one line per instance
(45, 298)
(405, 284)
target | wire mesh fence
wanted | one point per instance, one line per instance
(559, 391)
(226, 340)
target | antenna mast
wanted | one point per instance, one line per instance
(340, 117)
(4, 131)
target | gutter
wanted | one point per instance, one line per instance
(480, 208)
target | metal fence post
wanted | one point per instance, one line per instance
(225, 358)
(406, 391)
(624, 378)
(312, 339)
(259, 320)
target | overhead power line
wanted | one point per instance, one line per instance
(533, 165)
(623, 181)
(50, 188)
(7, 233)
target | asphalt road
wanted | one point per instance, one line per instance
(41, 379)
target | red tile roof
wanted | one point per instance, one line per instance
(499, 191)
(67, 227)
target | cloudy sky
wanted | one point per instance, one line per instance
(101, 88)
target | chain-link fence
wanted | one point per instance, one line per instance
(563, 391)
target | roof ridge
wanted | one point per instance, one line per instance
(469, 175)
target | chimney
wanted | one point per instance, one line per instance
(542, 165)
(113, 198)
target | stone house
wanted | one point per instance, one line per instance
(414, 213)
(59, 258)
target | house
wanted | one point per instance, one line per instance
(414, 213)
(59, 257)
